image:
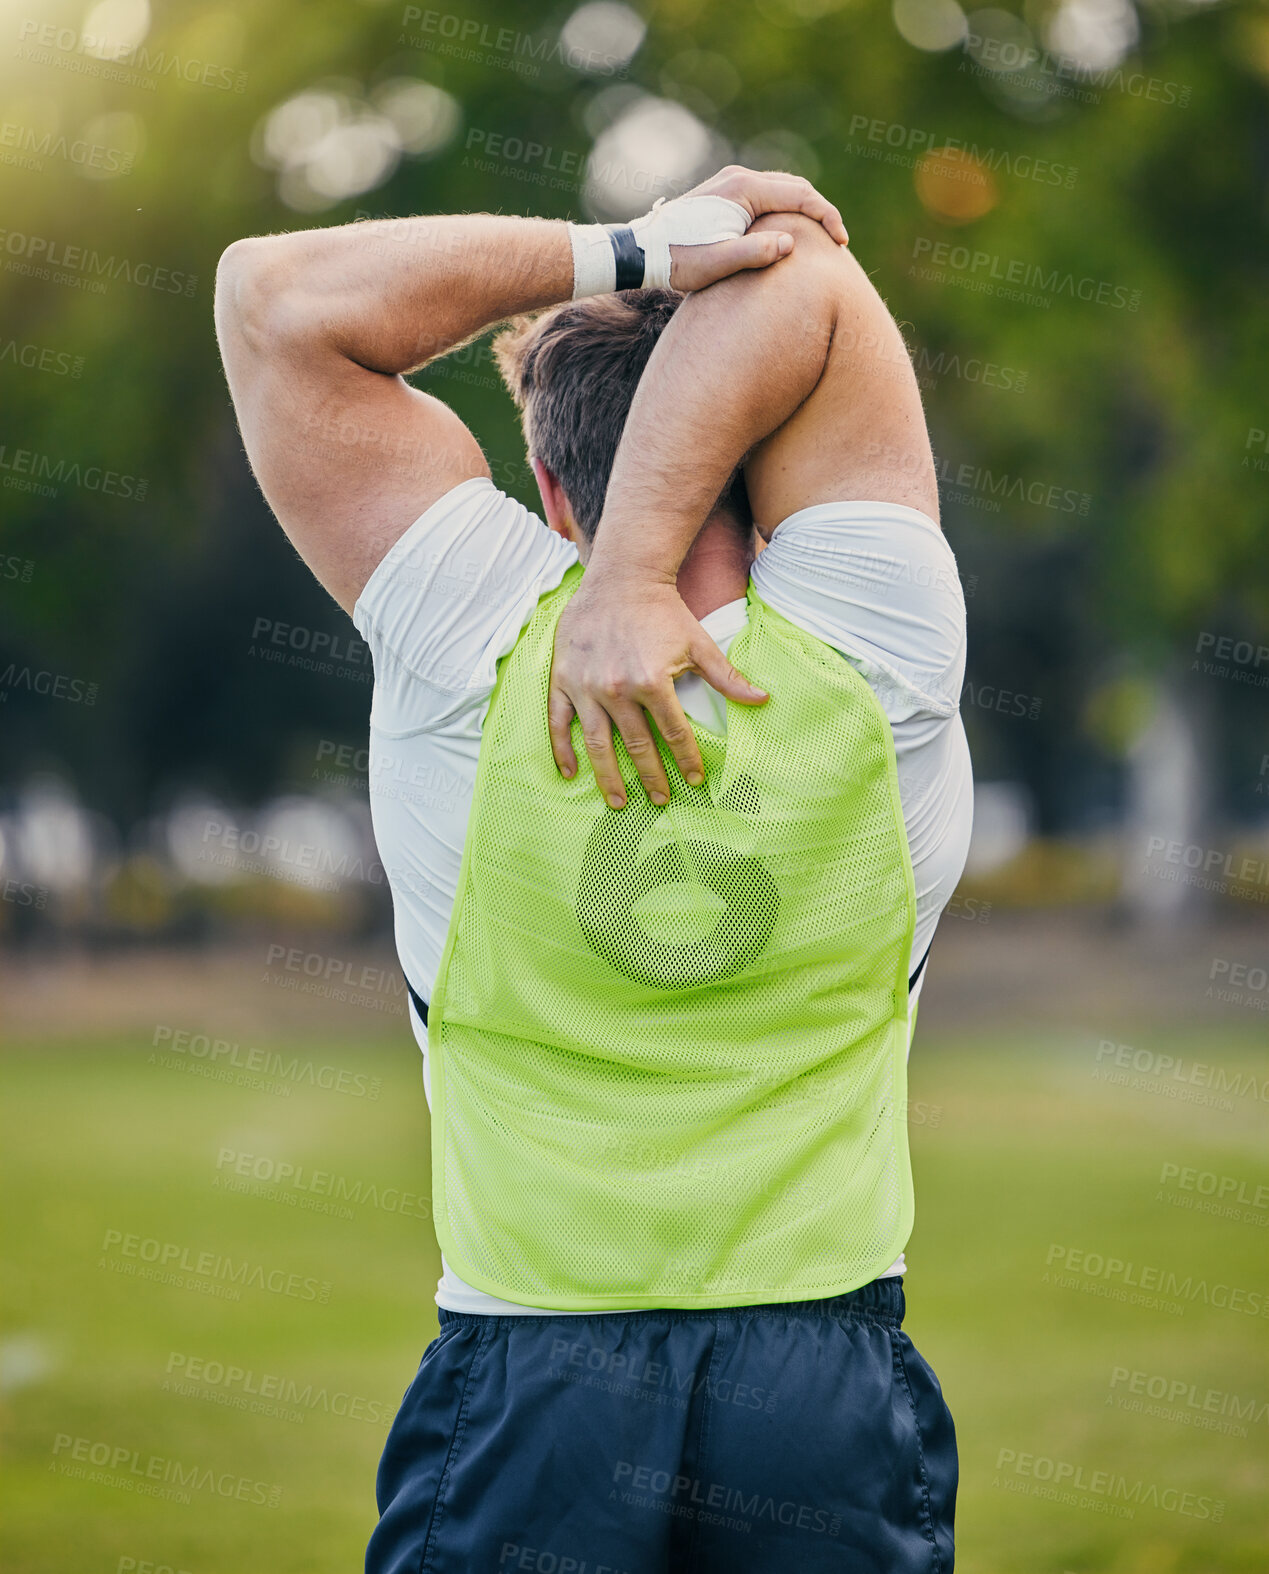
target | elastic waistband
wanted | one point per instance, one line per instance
(880, 1301)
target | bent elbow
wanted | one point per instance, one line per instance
(252, 284)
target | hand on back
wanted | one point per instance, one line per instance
(627, 633)
(619, 645)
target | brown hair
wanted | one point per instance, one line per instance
(573, 371)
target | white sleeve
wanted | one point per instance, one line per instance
(449, 599)
(878, 582)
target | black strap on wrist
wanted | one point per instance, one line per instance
(629, 255)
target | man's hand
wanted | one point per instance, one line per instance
(619, 645)
(752, 370)
(695, 267)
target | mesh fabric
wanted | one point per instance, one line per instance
(668, 1045)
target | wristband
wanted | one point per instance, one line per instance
(628, 255)
(636, 256)
(606, 257)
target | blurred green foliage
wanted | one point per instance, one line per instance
(1146, 411)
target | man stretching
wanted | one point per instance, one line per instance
(665, 983)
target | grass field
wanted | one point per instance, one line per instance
(1025, 1155)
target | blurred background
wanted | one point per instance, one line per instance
(218, 1245)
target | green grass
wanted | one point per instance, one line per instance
(1020, 1148)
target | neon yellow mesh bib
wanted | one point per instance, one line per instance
(668, 1046)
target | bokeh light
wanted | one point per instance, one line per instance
(426, 117)
(1095, 33)
(955, 186)
(933, 25)
(1000, 42)
(655, 148)
(112, 27)
(602, 36)
(329, 143)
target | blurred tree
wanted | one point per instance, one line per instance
(1082, 279)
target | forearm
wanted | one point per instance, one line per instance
(734, 363)
(393, 294)
(802, 373)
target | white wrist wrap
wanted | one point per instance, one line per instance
(686, 221)
(594, 265)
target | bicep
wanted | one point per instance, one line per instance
(347, 458)
(860, 434)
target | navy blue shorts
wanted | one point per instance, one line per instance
(747, 1440)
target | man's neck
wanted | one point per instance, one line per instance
(716, 568)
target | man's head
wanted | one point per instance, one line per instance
(573, 371)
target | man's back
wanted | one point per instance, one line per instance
(668, 432)
(876, 582)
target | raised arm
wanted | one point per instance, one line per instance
(317, 328)
(801, 372)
